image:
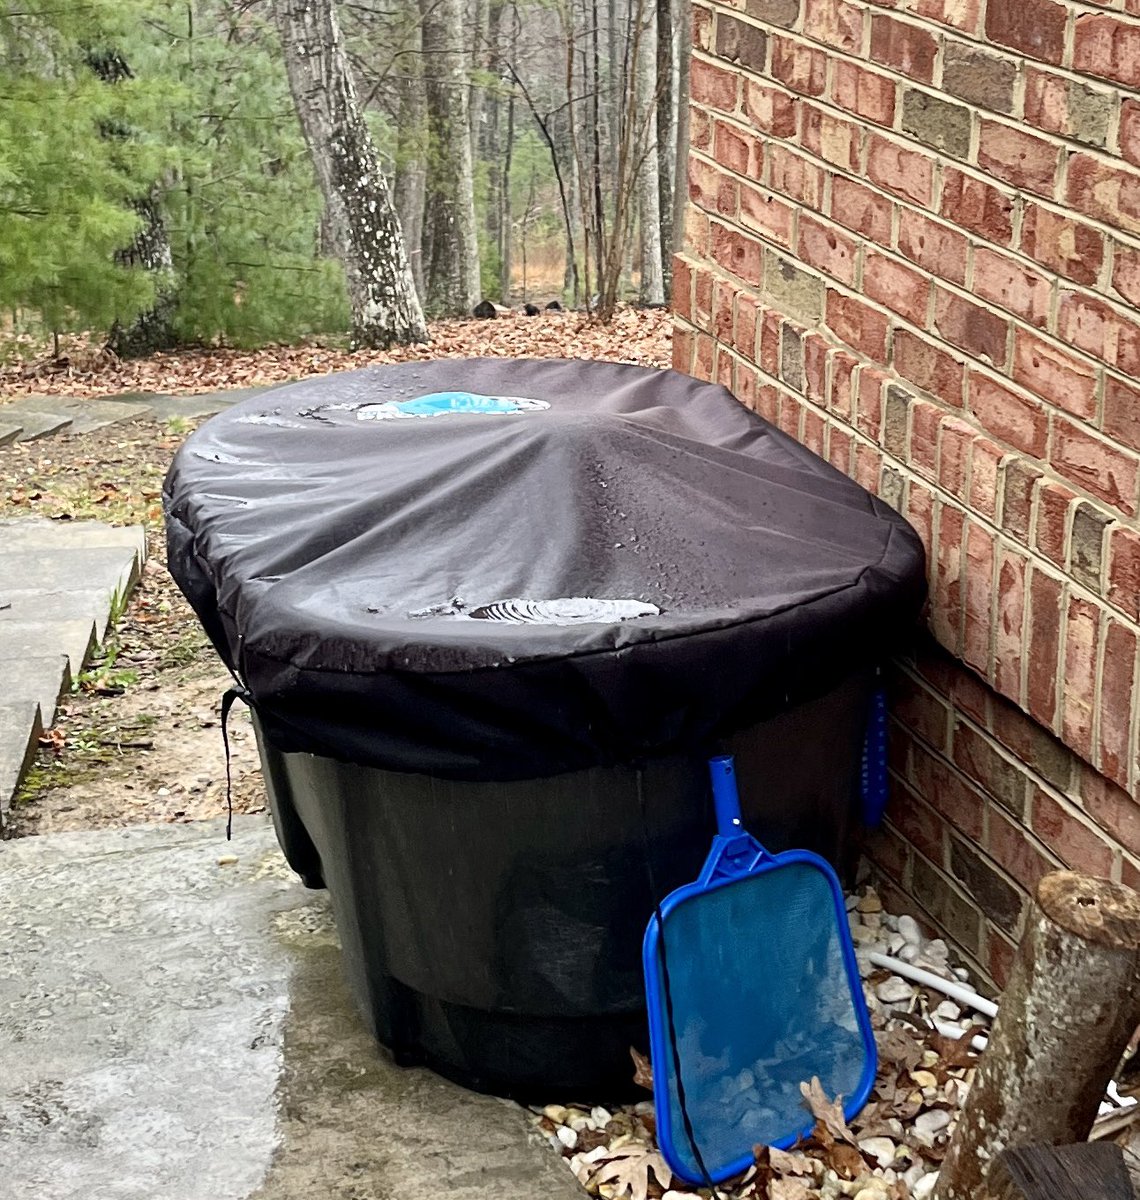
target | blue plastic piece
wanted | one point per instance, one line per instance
(438, 403)
(765, 994)
(874, 783)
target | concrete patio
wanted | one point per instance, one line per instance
(173, 1026)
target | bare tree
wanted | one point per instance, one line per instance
(453, 273)
(410, 183)
(381, 290)
(648, 90)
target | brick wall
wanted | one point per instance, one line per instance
(913, 242)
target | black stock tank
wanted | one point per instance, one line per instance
(493, 617)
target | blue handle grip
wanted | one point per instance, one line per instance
(726, 800)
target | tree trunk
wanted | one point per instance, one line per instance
(381, 290)
(648, 182)
(410, 188)
(149, 251)
(505, 218)
(666, 134)
(480, 51)
(1072, 1003)
(453, 276)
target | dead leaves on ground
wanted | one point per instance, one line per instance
(628, 1170)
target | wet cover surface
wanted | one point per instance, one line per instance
(324, 553)
(176, 1029)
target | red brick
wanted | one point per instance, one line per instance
(985, 463)
(799, 67)
(843, 384)
(744, 328)
(1074, 843)
(767, 403)
(700, 129)
(1111, 808)
(961, 14)
(1130, 131)
(979, 758)
(868, 463)
(1117, 700)
(767, 214)
(714, 86)
(907, 173)
(1054, 374)
(724, 367)
(1068, 247)
(1035, 27)
(1071, 109)
(1017, 157)
(827, 250)
(711, 189)
(955, 438)
(977, 206)
(1012, 848)
(745, 384)
(1002, 953)
(896, 287)
(812, 436)
(870, 415)
(1126, 273)
(948, 793)
(836, 23)
(857, 325)
(1089, 324)
(683, 351)
(815, 368)
(924, 437)
(1104, 45)
(697, 236)
(770, 342)
(1097, 466)
(946, 581)
(795, 177)
(703, 297)
(1014, 419)
(936, 248)
(1122, 412)
(928, 367)
(921, 826)
(979, 596)
(1009, 645)
(1019, 480)
(832, 138)
(769, 110)
(738, 151)
(702, 27)
(1002, 280)
(1124, 570)
(724, 294)
(682, 288)
(864, 92)
(972, 328)
(1044, 646)
(1078, 693)
(703, 357)
(839, 449)
(920, 513)
(860, 209)
(791, 414)
(1050, 532)
(1104, 191)
(738, 254)
(908, 49)
(921, 710)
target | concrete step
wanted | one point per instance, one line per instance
(20, 731)
(39, 679)
(25, 533)
(76, 638)
(83, 416)
(35, 425)
(54, 569)
(9, 431)
(30, 605)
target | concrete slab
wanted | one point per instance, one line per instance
(27, 533)
(83, 415)
(75, 637)
(172, 1027)
(30, 605)
(34, 425)
(20, 731)
(39, 679)
(47, 569)
(9, 432)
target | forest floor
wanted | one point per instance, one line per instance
(138, 738)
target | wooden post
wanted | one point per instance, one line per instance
(1072, 1003)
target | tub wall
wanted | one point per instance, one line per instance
(913, 242)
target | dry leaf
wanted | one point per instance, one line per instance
(789, 1164)
(642, 1070)
(957, 1052)
(628, 1170)
(788, 1189)
(845, 1160)
(828, 1113)
(898, 1048)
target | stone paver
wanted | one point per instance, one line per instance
(58, 586)
(172, 1028)
(9, 432)
(35, 425)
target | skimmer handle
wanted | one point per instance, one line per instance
(726, 801)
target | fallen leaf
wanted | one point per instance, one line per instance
(788, 1189)
(827, 1112)
(642, 1070)
(789, 1164)
(628, 1170)
(899, 1049)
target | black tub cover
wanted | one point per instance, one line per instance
(381, 581)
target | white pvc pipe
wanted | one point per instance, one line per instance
(978, 1042)
(955, 991)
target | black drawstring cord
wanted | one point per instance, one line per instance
(229, 697)
(686, 1120)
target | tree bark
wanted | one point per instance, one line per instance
(381, 290)
(681, 156)
(666, 133)
(1072, 1003)
(453, 276)
(647, 164)
(410, 188)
